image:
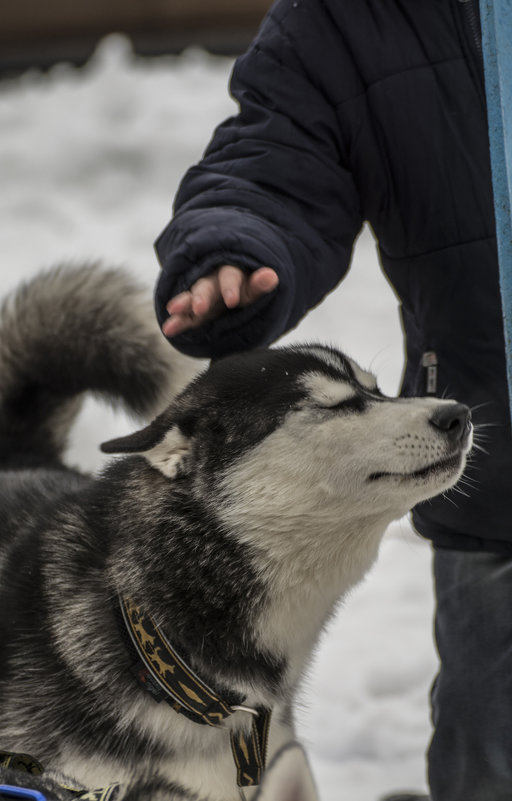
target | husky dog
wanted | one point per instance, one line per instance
(157, 619)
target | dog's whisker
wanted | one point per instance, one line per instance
(480, 436)
(480, 448)
(479, 406)
(450, 500)
(460, 491)
(471, 482)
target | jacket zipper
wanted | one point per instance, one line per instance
(472, 38)
(472, 23)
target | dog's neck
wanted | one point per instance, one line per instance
(243, 607)
(163, 672)
(303, 600)
(202, 586)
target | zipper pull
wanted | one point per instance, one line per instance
(429, 362)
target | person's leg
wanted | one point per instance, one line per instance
(470, 757)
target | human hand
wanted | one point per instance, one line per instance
(226, 288)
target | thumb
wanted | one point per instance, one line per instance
(260, 282)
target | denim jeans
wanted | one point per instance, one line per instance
(470, 757)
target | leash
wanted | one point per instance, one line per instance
(164, 674)
(24, 763)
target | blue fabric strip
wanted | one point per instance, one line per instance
(496, 17)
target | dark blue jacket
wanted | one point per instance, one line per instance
(354, 110)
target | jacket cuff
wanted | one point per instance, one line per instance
(219, 237)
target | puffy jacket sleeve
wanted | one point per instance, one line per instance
(272, 188)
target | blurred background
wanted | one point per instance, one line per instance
(39, 34)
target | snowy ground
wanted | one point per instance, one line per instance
(89, 162)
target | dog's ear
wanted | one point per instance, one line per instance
(138, 442)
(164, 449)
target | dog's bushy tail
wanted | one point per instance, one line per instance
(67, 331)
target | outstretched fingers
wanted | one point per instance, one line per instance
(194, 307)
(226, 288)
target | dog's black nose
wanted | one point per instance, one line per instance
(453, 420)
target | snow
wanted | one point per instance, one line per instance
(90, 160)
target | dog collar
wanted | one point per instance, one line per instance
(162, 672)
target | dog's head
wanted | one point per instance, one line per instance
(278, 427)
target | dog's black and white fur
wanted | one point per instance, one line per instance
(238, 518)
